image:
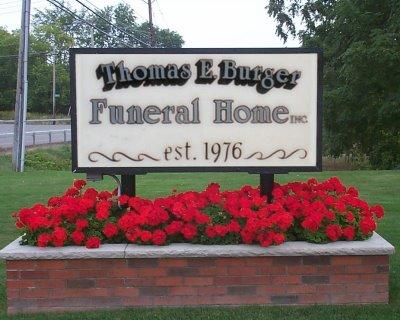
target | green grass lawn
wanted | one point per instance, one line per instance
(25, 189)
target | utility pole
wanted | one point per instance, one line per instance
(54, 84)
(21, 95)
(151, 27)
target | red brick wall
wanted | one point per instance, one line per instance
(81, 284)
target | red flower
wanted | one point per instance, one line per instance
(350, 217)
(104, 195)
(103, 210)
(81, 224)
(247, 236)
(233, 226)
(35, 222)
(277, 192)
(377, 211)
(174, 227)
(352, 191)
(54, 201)
(158, 237)
(312, 181)
(284, 221)
(131, 235)
(127, 221)
(305, 209)
(145, 236)
(110, 230)
(72, 192)
(210, 232)
(44, 239)
(79, 184)
(340, 206)
(329, 201)
(92, 242)
(86, 204)
(90, 193)
(77, 237)
(333, 232)
(123, 200)
(19, 224)
(349, 233)
(220, 230)
(266, 239)
(189, 231)
(201, 218)
(367, 225)
(278, 238)
(312, 222)
(59, 236)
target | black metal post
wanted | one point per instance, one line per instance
(266, 185)
(128, 185)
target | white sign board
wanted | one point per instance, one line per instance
(144, 110)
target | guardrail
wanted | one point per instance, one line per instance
(37, 120)
(35, 134)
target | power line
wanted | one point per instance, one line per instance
(31, 54)
(99, 9)
(145, 36)
(10, 12)
(17, 5)
(8, 56)
(17, 1)
(104, 19)
(137, 12)
(15, 8)
(63, 8)
(151, 26)
(93, 5)
(124, 25)
(162, 14)
(147, 1)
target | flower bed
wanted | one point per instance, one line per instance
(313, 211)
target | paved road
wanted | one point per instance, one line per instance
(40, 138)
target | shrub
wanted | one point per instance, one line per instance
(311, 211)
(49, 159)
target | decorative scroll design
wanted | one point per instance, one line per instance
(284, 155)
(114, 157)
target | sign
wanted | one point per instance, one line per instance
(154, 110)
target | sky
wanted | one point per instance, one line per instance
(202, 23)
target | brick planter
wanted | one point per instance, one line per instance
(116, 276)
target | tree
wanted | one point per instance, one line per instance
(61, 30)
(8, 68)
(38, 67)
(114, 26)
(361, 42)
(55, 31)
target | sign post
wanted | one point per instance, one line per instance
(128, 184)
(196, 110)
(266, 185)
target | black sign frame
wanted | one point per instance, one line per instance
(250, 169)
